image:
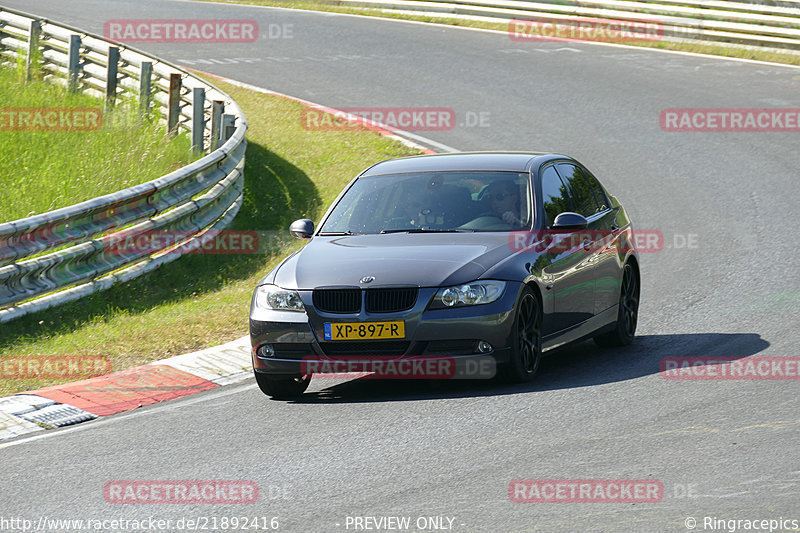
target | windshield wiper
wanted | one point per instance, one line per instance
(427, 230)
(337, 233)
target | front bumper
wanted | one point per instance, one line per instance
(453, 335)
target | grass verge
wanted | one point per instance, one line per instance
(46, 170)
(697, 48)
(203, 300)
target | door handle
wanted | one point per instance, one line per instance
(587, 245)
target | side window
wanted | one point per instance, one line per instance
(579, 186)
(555, 197)
(597, 189)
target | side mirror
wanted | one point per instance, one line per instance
(302, 229)
(569, 220)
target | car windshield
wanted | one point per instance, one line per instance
(433, 201)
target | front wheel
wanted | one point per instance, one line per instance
(628, 315)
(526, 352)
(282, 387)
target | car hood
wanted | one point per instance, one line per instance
(418, 259)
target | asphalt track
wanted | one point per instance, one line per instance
(724, 449)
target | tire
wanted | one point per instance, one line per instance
(628, 315)
(526, 349)
(282, 387)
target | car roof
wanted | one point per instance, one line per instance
(496, 161)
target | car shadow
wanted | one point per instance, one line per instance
(579, 365)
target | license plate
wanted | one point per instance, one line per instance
(348, 331)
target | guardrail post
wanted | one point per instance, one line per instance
(111, 75)
(145, 80)
(33, 49)
(198, 119)
(217, 109)
(74, 64)
(174, 106)
(228, 127)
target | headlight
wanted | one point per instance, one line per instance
(474, 293)
(273, 297)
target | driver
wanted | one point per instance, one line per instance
(411, 210)
(503, 198)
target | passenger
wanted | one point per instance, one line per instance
(503, 198)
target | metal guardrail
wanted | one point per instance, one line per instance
(712, 21)
(66, 254)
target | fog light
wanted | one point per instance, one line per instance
(265, 350)
(484, 347)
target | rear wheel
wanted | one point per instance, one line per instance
(628, 315)
(526, 351)
(282, 387)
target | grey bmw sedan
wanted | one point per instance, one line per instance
(465, 265)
